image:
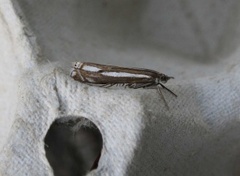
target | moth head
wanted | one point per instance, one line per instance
(164, 78)
(76, 65)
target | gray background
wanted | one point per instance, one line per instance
(195, 41)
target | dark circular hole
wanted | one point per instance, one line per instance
(73, 147)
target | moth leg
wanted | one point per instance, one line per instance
(105, 85)
(168, 90)
(129, 85)
(161, 95)
(109, 85)
(102, 85)
(134, 86)
(149, 85)
(137, 86)
(113, 84)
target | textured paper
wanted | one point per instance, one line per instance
(199, 135)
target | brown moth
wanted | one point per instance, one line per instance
(108, 75)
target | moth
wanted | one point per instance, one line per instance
(108, 75)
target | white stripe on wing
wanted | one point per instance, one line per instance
(124, 74)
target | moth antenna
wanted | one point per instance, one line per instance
(168, 90)
(161, 94)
